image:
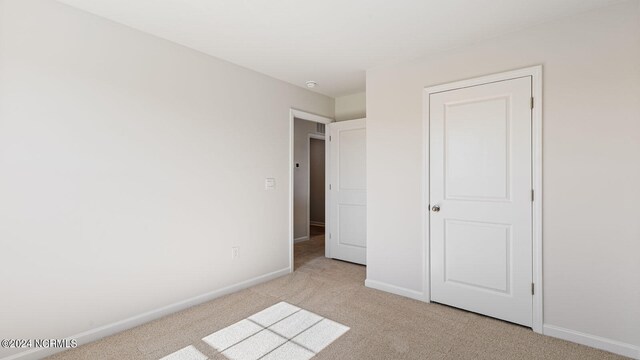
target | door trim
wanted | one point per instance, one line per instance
(536, 132)
(303, 115)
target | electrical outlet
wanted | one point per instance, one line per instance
(235, 252)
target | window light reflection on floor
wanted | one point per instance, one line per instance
(282, 331)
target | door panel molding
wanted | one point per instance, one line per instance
(346, 238)
(535, 72)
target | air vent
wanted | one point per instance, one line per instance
(320, 128)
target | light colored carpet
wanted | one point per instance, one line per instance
(282, 331)
(382, 325)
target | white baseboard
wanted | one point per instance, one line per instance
(594, 341)
(316, 223)
(614, 346)
(119, 326)
(378, 285)
(302, 238)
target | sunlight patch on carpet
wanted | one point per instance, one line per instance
(282, 331)
(187, 353)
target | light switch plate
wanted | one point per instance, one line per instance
(269, 183)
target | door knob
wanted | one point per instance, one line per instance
(435, 208)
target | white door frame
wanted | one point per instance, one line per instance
(536, 73)
(317, 137)
(302, 115)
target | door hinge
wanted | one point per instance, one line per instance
(329, 235)
(329, 137)
(533, 289)
(329, 186)
(532, 102)
(533, 195)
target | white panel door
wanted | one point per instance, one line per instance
(347, 236)
(481, 199)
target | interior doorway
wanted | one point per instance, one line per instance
(309, 187)
(344, 188)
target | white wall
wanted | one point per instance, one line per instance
(350, 107)
(129, 167)
(302, 129)
(591, 164)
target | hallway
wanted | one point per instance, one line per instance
(306, 251)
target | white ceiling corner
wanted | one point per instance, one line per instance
(332, 42)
